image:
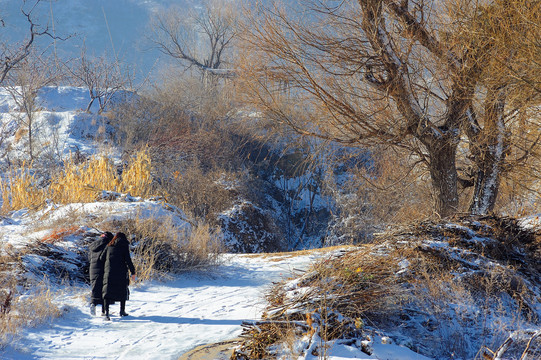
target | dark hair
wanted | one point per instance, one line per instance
(117, 236)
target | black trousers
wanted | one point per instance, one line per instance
(107, 302)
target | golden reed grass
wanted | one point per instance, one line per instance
(78, 182)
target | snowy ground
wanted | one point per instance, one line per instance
(170, 318)
(166, 319)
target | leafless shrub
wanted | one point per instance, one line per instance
(209, 104)
(143, 120)
(193, 147)
(199, 192)
(381, 189)
(160, 248)
(24, 82)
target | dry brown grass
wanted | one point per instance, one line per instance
(29, 310)
(160, 248)
(20, 133)
(327, 302)
(353, 278)
(79, 182)
(21, 190)
(278, 256)
(470, 282)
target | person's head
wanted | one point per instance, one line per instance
(107, 235)
(118, 236)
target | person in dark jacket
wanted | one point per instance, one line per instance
(96, 271)
(115, 273)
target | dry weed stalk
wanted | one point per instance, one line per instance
(137, 178)
(77, 182)
(21, 190)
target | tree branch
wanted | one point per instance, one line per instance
(420, 33)
(10, 62)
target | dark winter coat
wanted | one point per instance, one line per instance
(96, 268)
(115, 276)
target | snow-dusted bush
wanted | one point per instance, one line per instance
(443, 289)
(199, 192)
(249, 229)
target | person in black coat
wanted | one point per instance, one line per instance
(115, 273)
(96, 271)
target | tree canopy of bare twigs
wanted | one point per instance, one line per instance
(11, 55)
(200, 39)
(455, 82)
(102, 77)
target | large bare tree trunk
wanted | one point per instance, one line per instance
(491, 155)
(444, 177)
(382, 72)
(487, 183)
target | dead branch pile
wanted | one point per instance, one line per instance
(528, 342)
(54, 261)
(410, 272)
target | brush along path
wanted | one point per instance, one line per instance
(444, 288)
(166, 319)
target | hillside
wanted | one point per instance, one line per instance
(280, 217)
(444, 290)
(44, 243)
(474, 281)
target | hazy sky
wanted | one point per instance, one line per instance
(113, 27)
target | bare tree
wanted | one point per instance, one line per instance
(500, 122)
(33, 73)
(101, 77)
(436, 78)
(23, 72)
(199, 40)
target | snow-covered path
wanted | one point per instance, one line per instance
(166, 319)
